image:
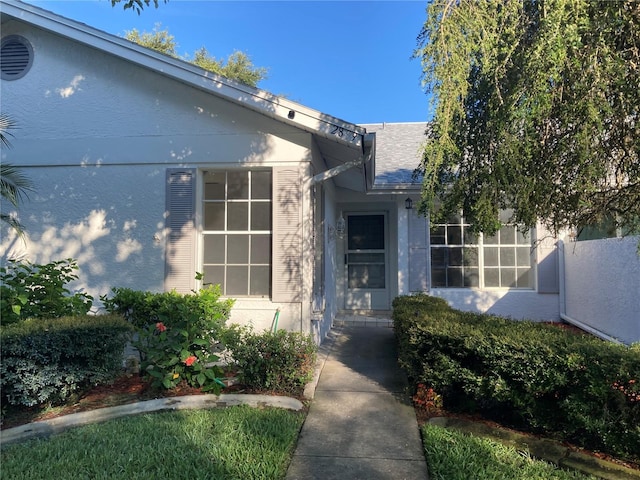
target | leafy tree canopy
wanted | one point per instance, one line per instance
(536, 109)
(238, 65)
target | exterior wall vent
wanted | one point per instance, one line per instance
(16, 57)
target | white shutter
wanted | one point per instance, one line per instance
(287, 235)
(418, 252)
(180, 256)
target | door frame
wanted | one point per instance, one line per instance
(363, 298)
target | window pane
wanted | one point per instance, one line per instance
(214, 276)
(438, 277)
(237, 281)
(507, 256)
(260, 280)
(471, 277)
(455, 256)
(508, 235)
(455, 278)
(238, 216)
(438, 257)
(469, 237)
(238, 249)
(260, 249)
(524, 278)
(365, 232)
(523, 239)
(454, 235)
(491, 239)
(491, 256)
(491, 277)
(213, 249)
(523, 256)
(214, 186)
(261, 185)
(237, 185)
(366, 276)
(261, 216)
(214, 216)
(470, 258)
(508, 277)
(437, 235)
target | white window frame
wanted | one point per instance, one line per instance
(226, 232)
(481, 245)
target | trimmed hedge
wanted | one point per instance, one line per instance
(144, 308)
(528, 375)
(47, 360)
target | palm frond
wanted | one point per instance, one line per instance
(6, 124)
(14, 185)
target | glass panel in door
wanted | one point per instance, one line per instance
(366, 262)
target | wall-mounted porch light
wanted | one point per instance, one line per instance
(408, 203)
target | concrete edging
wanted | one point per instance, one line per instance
(45, 428)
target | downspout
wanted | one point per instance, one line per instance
(563, 301)
(332, 172)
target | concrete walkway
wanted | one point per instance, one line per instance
(360, 424)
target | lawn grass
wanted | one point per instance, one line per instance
(231, 443)
(453, 455)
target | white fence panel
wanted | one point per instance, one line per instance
(602, 287)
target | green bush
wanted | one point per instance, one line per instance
(176, 333)
(46, 360)
(39, 291)
(282, 361)
(145, 308)
(525, 374)
(181, 353)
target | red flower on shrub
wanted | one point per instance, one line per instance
(160, 327)
(190, 360)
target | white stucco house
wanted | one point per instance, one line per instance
(149, 169)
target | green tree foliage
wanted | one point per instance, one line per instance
(536, 109)
(159, 40)
(14, 185)
(136, 5)
(238, 65)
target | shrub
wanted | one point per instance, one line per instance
(282, 361)
(176, 333)
(145, 308)
(181, 353)
(526, 374)
(46, 360)
(39, 291)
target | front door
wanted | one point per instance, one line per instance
(367, 276)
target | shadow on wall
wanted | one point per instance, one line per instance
(516, 304)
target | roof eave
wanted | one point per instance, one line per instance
(260, 101)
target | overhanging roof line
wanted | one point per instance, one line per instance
(261, 101)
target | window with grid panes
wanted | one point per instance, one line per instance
(462, 259)
(237, 231)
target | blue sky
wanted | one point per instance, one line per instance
(349, 59)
